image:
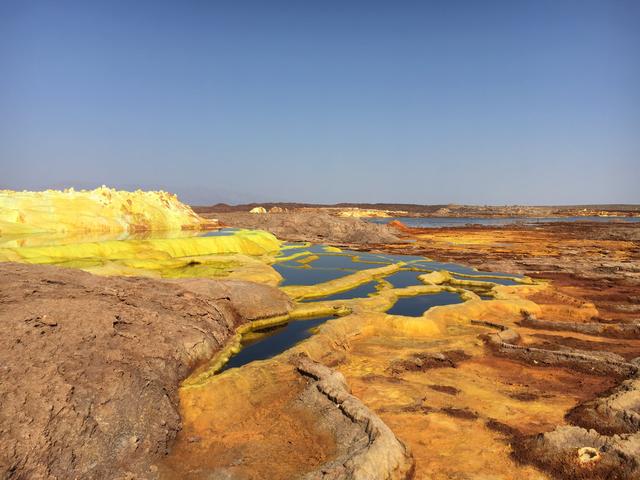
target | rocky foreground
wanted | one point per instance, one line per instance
(90, 366)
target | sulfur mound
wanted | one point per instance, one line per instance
(100, 210)
(207, 256)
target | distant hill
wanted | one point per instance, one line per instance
(450, 210)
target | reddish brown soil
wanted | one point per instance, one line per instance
(597, 262)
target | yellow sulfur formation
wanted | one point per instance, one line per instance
(249, 242)
(100, 210)
(347, 282)
(225, 255)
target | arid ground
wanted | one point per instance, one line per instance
(514, 391)
(112, 377)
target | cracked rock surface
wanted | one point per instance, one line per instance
(382, 457)
(90, 367)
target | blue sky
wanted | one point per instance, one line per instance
(490, 102)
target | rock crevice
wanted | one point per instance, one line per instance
(383, 457)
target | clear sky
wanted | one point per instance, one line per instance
(324, 101)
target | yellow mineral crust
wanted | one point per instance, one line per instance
(232, 256)
(368, 320)
(100, 210)
(339, 284)
(368, 317)
(369, 212)
(366, 344)
(249, 426)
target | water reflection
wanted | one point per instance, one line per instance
(404, 278)
(70, 238)
(304, 275)
(361, 291)
(274, 341)
(416, 306)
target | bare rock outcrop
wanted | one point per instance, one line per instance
(574, 452)
(610, 330)
(505, 344)
(381, 457)
(90, 367)
(316, 227)
(616, 413)
(252, 301)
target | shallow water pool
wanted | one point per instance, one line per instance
(416, 306)
(306, 275)
(361, 291)
(274, 341)
(330, 265)
(404, 278)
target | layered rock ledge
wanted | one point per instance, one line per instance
(382, 457)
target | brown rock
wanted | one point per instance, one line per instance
(316, 227)
(252, 301)
(90, 366)
(384, 457)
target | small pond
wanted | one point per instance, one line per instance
(274, 341)
(404, 278)
(416, 306)
(361, 291)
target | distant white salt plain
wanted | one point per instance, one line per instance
(430, 222)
